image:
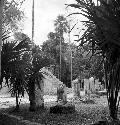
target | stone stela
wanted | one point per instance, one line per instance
(61, 94)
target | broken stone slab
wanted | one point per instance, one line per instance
(62, 108)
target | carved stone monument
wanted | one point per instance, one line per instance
(61, 93)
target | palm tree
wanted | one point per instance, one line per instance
(61, 27)
(39, 60)
(14, 59)
(103, 35)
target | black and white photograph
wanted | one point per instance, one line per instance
(60, 62)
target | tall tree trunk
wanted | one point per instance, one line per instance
(32, 100)
(33, 21)
(113, 86)
(36, 94)
(17, 102)
(113, 98)
(1, 19)
(32, 94)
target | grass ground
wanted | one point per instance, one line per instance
(85, 114)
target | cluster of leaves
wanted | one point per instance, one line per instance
(21, 59)
(103, 36)
(15, 57)
(85, 65)
(12, 15)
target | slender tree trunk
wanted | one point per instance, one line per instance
(1, 9)
(17, 102)
(32, 100)
(112, 85)
(32, 94)
(33, 21)
(113, 109)
(31, 80)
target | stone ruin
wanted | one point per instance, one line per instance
(49, 85)
(90, 86)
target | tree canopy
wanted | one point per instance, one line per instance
(102, 34)
(12, 15)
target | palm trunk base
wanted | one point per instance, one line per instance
(113, 114)
(32, 107)
(17, 108)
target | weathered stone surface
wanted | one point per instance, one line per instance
(50, 81)
(39, 96)
(62, 109)
(62, 93)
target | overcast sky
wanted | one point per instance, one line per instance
(46, 11)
